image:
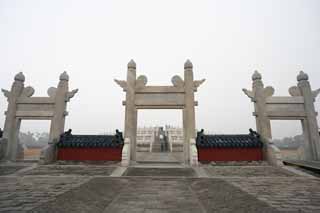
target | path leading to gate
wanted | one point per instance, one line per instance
(95, 188)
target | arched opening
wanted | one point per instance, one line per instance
(33, 136)
(288, 137)
(159, 136)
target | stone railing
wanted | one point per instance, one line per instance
(125, 158)
(272, 153)
(193, 153)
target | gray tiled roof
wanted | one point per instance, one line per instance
(68, 140)
(251, 140)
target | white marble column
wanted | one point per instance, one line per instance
(12, 124)
(188, 111)
(131, 112)
(310, 125)
(259, 99)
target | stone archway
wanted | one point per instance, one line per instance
(298, 106)
(178, 96)
(22, 106)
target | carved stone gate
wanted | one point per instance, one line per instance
(21, 106)
(298, 106)
(178, 96)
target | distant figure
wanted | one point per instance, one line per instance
(1, 133)
(161, 138)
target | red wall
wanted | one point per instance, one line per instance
(95, 154)
(230, 154)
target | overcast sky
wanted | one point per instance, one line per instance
(225, 40)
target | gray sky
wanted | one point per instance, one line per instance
(225, 40)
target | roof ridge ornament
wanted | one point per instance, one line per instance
(302, 76)
(64, 76)
(132, 64)
(256, 76)
(188, 64)
(19, 77)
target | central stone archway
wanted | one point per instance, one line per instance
(178, 96)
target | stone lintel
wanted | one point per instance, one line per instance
(35, 100)
(159, 89)
(285, 100)
(284, 114)
(160, 106)
(34, 114)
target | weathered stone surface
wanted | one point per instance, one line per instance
(248, 171)
(7, 170)
(22, 106)
(178, 96)
(77, 170)
(298, 106)
(185, 172)
(85, 188)
(295, 194)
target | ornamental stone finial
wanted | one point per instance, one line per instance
(64, 76)
(256, 76)
(302, 76)
(19, 77)
(132, 64)
(188, 64)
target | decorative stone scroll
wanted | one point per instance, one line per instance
(141, 96)
(298, 106)
(22, 106)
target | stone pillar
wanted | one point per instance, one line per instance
(131, 112)
(61, 96)
(12, 124)
(58, 120)
(259, 99)
(188, 111)
(310, 125)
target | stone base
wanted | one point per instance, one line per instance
(48, 154)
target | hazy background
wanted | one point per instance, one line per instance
(94, 40)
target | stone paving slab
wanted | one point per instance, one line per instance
(114, 195)
(20, 194)
(176, 172)
(84, 188)
(247, 171)
(294, 194)
(71, 170)
(8, 170)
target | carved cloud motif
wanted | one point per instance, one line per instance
(316, 93)
(27, 92)
(197, 83)
(122, 84)
(141, 81)
(268, 91)
(52, 92)
(70, 95)
(294, 91)
(249, 93)
(6, 93)
(177, 81)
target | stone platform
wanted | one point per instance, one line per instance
(111, 188)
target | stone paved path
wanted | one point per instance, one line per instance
(91, 188)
